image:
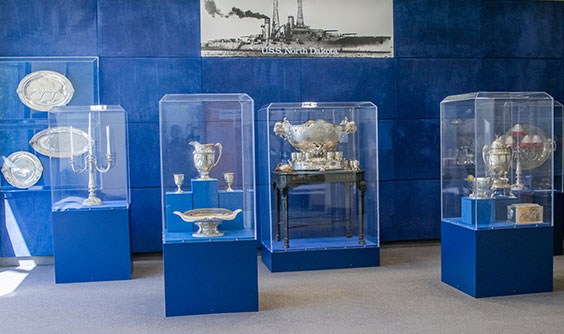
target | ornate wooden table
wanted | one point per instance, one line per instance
(283, 182)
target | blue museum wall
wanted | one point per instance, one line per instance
(148, 48)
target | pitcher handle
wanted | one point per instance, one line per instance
(218, 145)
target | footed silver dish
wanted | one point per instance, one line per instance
(207, 220)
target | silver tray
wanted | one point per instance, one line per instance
(43, 90)
(55, 142)
(22, 169)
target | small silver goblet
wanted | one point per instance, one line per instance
(229, 177)
(178, 180)
(355, 165)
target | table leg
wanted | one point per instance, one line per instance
(362, 189)
(277, 211)
(348, 217)
(285, 214)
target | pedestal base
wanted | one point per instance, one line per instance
(210, 277)
(558, 222)
(320, 259)
(496, 262)
(92, 245)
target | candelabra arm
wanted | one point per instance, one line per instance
(109, 164)
(78, 170)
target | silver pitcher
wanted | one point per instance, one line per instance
(204, 158)
(498, 158)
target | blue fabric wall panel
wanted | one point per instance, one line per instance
(265, 80)
(363, 79)
(417, 149)
(149, 28)
(146, 220)
(410, 210)
(524, 75)
(137, 84)
(386, 157)
(144, 155)
(525, 29)
(437, 28)
(387, 211)
(423, 83)
(47, 28)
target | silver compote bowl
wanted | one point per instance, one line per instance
(207, 220)
(480, 186)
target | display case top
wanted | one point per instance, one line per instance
(498, 95)
(199, 98)
(319, 105)
(100, 107)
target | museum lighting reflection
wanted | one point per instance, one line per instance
(11, 279)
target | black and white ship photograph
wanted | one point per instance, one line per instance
(296, 28)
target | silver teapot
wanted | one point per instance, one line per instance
(498, 158)
(204, 158)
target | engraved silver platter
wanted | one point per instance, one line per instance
(22, 169)
(55, 142)
(43, 90)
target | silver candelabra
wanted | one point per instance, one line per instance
(91, 163)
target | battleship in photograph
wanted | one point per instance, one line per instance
(292, 38)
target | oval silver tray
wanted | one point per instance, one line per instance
(22, 169)
(55, 142)
(43, 90)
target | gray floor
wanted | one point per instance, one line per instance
(404, 295)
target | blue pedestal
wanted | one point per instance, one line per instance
(210, 277)
(28, 212)
(496, 262)
(320, 259)
(178, 202)
(205, 193)
(92, 245)
(476, 210)
(232, 201)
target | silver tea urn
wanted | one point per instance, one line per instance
(498, 158)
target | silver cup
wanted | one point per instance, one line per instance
(178, 180)
(355, 165)
(480, 187)
(229, 178)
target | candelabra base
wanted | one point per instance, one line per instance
(92, 201)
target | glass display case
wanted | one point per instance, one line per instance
(497, 157)
(88, 153)
(318, 176)
(207, 167)
(29, 87)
